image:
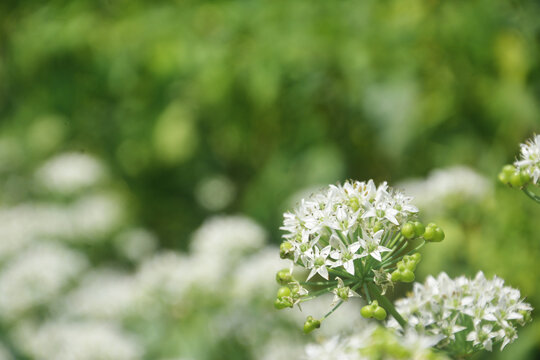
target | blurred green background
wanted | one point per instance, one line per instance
(199, 108)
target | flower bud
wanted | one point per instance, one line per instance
(525, 177)
(429, 233)
(438, 236)
(508, 170)
(419, 228)
(311, 324)
(396, 276)
(408, 230)
(515, 180)
(366, 311)
(407, 276)
(283, 291)
(282, 303)
(379, 313)
(285, 250)
(416, 257)
(284, 276)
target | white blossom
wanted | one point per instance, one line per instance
(485, 310)
(347, 222)
(36, 276)
(70, 172)
(529, 160)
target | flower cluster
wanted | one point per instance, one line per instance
(354, 236)
(530, 158)
(470, 315)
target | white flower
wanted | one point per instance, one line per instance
(215, 193)
(101, 294)
(486, 310)
(70, 172)
(372, 342)
(66, 340)
(36, 276)
(371, 245)
(447, 186)
(227, 237)
(355, 219)
(344, 255)
(529, 160)
(319, 261)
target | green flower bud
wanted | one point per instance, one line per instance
(525, 177)
(283, 291)
(401, 266)
(416, 257)
(396, 276)
(282, 303)
(429, 233)
(419, 228)
(508, 170)
(284, 276)
(407, 276)
(515, 180)
(379, 313)
(285, 250)
(311, 324)
(410, 265)
(408, 230)
(366, 311)
(505, 179)
(438, 236)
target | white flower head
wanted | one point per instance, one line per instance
(485, 310)
(529, 160)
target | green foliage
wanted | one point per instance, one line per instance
(278, 96)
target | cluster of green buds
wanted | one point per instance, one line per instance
(290, 292)
(373, 310)
(431, 233)
(311, 324)
(406, 267)
(514, 177)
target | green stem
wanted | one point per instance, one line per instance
(384, 302)
(531, 195)
(366, 290)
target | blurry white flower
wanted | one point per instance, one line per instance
(136, 244)
(164, 278)
(485, 310)
(4, 353)
(279, 347)
(95, 216)
(369, 343)
(529, 160)
(36, 276)
(91, 340)
(227, 237)
(70, 172)
(101, 294)
(88, 219)
(254, 276)
(215, 193)
(458, 183)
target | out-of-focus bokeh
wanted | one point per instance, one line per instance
(149, 148)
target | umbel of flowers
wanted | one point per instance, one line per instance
(526, 170)
(353, 239)
(468, 315)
